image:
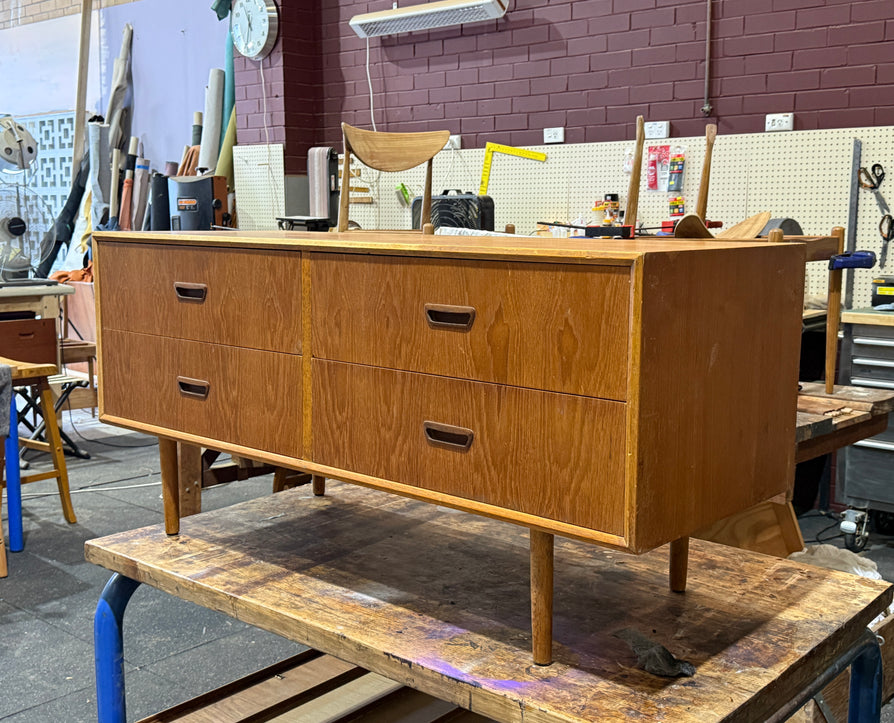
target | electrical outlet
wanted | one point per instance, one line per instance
(780, 122)
(454, 143)
(657, 129)
(553, 135)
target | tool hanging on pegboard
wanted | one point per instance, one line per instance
(492, 148)
(871, 179)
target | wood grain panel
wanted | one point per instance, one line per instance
(30, 340)
(253, 299)
(555, 327)
(254, 397)
(552, 455)
(718, 385)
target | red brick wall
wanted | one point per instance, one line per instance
(293, 85)
(592, 66)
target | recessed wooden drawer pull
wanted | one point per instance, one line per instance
(443, 316)
(197, 388)
(190, 292)
(448, 436)
(26, 335)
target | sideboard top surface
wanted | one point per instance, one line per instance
(593, 250)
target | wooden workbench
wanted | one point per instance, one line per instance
(436, 600)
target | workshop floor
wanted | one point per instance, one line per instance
(174, 650)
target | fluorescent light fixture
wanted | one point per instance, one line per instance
(440, 14)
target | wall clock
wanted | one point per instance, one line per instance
(254, 25)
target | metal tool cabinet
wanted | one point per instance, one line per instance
(866, 468)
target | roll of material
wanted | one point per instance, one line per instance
(197, 128)
(170, 168)
(229, 97)
(225, 161)
(140, 193)
(100, 178)
(160, 215)
(213, 119)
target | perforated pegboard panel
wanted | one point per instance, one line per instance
(803, 175)
(259, 178)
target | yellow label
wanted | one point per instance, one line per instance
(885, 290)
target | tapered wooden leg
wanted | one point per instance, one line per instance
(58, 455)
(319, 485)
(679, 562)
(542, 596)
(170, 484)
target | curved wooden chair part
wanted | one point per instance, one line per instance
(390, 152)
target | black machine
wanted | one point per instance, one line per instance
(197, 203)
(457, 210)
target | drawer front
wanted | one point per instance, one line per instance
(29, 340)
(873, 370)
(552, 455)
(873, 347)
(561, 328)
(224, 296)
(241, 396)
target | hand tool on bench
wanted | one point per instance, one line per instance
(633, 188)
(701, 207)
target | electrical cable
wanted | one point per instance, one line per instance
(276, 210)
(372, 115)
(819, 541)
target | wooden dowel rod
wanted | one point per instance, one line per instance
(542, 596)
(833, 315)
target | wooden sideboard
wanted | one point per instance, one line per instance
(625, 393)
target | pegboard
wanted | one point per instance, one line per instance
(260, 183)
(803, 175)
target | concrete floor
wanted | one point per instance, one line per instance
(174, 650)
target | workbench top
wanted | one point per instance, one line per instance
(438, 600)
(868, 316)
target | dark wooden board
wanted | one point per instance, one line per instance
(438, 600)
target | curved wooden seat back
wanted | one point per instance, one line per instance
(390, 152)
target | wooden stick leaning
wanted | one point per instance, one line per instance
(701, 207)
(633, 188)
(833, 315)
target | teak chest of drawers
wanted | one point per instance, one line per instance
(626, 395)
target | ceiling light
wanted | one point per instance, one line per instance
(440, 14)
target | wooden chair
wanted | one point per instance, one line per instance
(390, 152)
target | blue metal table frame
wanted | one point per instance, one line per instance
(863, 658)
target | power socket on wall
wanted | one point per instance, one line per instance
(553, 135)
(657, 129)
(779, 122)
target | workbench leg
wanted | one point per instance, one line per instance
(865, 702)
(170, 484)
(318, 482)
(14, 481)
(542, 596)
(108, 648)
(679, 563)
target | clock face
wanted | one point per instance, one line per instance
(254, 24)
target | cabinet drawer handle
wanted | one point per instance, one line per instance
(190, 292)
(26, 335)
(444, 316)
(197, 388)
(448, 436)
